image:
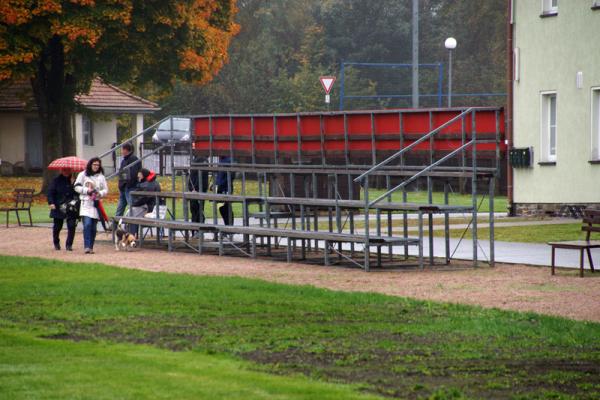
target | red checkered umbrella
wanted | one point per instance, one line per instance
(73, 163)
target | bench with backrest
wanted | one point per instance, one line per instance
(591, 223)
(22, 202)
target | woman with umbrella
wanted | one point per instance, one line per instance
(91, 186)
(62, 199)
(60, 193)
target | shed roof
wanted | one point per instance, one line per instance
(102, 97)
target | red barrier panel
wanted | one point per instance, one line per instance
(357, 133)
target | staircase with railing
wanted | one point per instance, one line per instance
(146, 153)
(464, 171)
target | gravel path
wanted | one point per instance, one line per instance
(510, 287)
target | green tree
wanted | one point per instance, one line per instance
(479, 60)
(284, 46)
(275, 64)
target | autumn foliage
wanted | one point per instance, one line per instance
(8, 185)
(196, 33)
(61, 46)
(170, 37)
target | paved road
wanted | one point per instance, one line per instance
(509, 252)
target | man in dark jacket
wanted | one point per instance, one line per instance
(127, 177)
(141, 205)
(60, 193)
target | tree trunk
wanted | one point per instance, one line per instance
(53, 91)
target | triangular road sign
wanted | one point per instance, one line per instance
(327, 82)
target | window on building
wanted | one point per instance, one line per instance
(88, 132)
(549, 7)
(549, 131)
(596, 124)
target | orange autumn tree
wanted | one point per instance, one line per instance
(59, 46)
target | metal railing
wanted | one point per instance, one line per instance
(422, 172)
(364, 180)
(170, 143)
(415, 143)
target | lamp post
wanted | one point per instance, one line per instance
(450, 44)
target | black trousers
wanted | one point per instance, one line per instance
(57, 227)
(197, 210)
(225, 210)
(226, 213)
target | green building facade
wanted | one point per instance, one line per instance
(556, 94)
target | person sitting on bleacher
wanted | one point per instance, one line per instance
(141, 205)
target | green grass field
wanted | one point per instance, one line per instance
(534, 234)
(529, 234)
(40, 213)
(37, 368)
(40, 209)
(92, 331)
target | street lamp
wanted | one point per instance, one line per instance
(450, 44)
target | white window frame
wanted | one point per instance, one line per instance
(516, 64)
(88, 134)
(549, 6)
(595, 122)
(546, 127)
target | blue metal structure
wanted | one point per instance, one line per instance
(439, 95)
(438, 65)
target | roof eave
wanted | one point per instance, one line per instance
(123, 110)
(98, 109)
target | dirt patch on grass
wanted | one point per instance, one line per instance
(394, 375)
(510, 287)
(176, 335)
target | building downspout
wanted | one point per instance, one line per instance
(509, 104)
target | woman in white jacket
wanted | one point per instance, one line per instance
(91, 186)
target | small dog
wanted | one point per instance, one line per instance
(123, 239)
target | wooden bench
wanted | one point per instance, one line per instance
(591, 223)
(22, 202)
(255, 231)
(167, 223)
(309, 207)
(325, 236)
(172, 225)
